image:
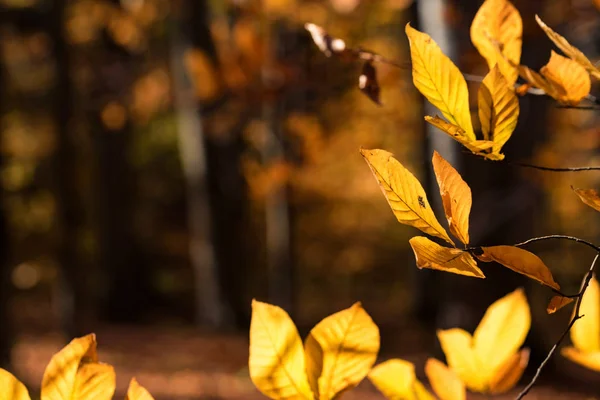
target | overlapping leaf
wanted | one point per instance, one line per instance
(396, 379)
(445, 383)
(589, 197)
(404, 193)
(498, 25)
(479, 147)
(461, 357)
(509, 373)
(431, 255)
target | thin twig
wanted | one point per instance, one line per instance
(576, 316)
(562, 237)
(551, 169)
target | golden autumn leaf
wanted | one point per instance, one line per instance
(276, 361)
(340, 351)
(588, 360)
(571, 51)
(95, 381)
(456, 197)
(490, 361)
(396, 379)
(404, 193)
(135, 391)
(431, 255)
(589, 197)
(498, 109)
(520, 261)
(567, 74)
(509, 373)
(498, 24)
(445, 383)
(585, 333)
(60, 376)
(536, 80)
(557, 302)
(11, 388)
(439, 80)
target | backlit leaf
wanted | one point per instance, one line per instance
(60, 375)
(457, 346)
(404, 193)
(585, 333)
(588, 360)
(509, 373)
(571, 51)
(498, 24)
(11, 388)
(557, 302)
(538, 81)
(445, 383)
(456, 197)
(498, 109)
(479, 147)
(501, 332)
(276, 361)
(570, 76)
(95, 381)
(397, 381)
(589, 197)
(521, 261)
(340, 351)
(439, 80)
(431, 255)
(137, 392)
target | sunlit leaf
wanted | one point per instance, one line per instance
(521, 261)
(536, 80)
(340, 351)
(461, 357)
(439, 80)
(585, 333)
(501, 332)
(60, 375)
(445, 383)
(137, 391)
(396, 379)
(367, 82)
(431, 255)
(498, 109)
(498, 24)
(588, 360)
(589, 197)
(456, 197)
(404, 193)
(571, 51)
(557, 302)
(479, 147)
(509, 373)
(276, 362)
(11, 388)
(570, 76)
(95, 381)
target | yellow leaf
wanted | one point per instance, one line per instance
(557, 302)
(520, 261)
(498, 109)
(509, 373)
(445, 383)
(60, 375)
(439, 80)
(404, 193)
(538, 81)
(588, 360)
(585, 333)
(501, 332)
(457, 346)
(479, 147)
(340, 350)
(570, 76)
(397, 381)
(276, 359)
(571, 51)
(590, 197)
(137, 392)
(433, 256)
(95, 381)
(11, 388)
(456, 197)
(498, 24)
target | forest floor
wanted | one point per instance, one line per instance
(183, 364)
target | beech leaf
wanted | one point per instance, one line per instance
(589, 197)
(431, 255)
(557, 302)
(444, 382)
(396, 379)
(509, 373)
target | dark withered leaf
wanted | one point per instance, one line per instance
(328, 44)
(367, 82)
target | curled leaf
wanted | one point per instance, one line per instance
(431, 255)
(557, 302)
(509, 373)
(445, 383)
(520, 261)
(479, 147)
(404, 193)
(396, 379)
(589, 197)
(367, 82)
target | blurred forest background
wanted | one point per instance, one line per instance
(163, 162)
